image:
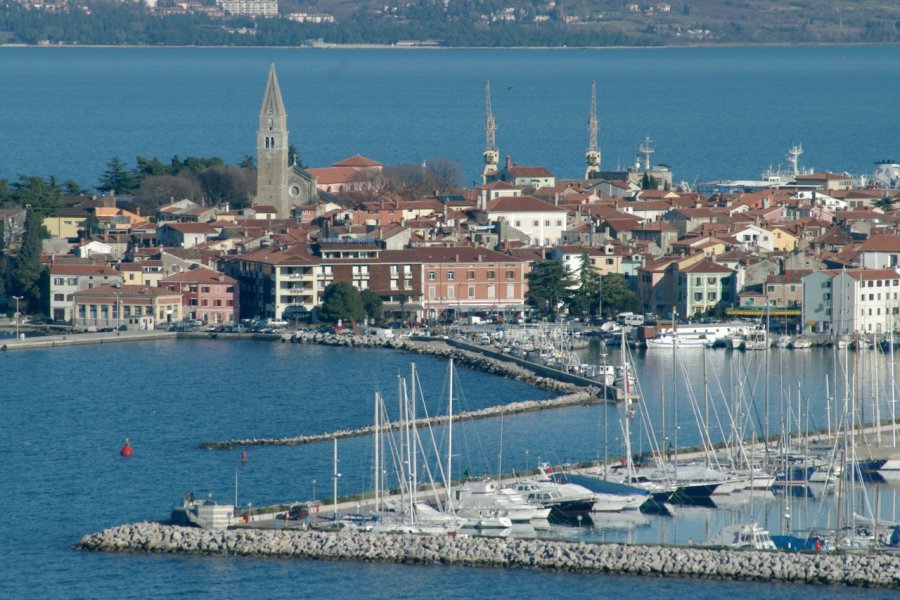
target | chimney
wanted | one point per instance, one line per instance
(508, 162)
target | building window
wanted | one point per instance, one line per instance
(491, 274)
(432, 294)
(59, 281)
(205, 289)
(432, 275)
(58, 297)
(471, 275)
(510, 274)
(491, 293)
(450, 293)
(471, 291)
(698, 296)
(559, 223)
(535, 223)
(510, 292)
(451, 275)
(393, 284)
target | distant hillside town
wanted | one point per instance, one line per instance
(483, 23)
(408, 244)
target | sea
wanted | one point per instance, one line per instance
(711, 113)
(65, 412)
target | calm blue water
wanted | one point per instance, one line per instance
(712, 112)
(66, 411)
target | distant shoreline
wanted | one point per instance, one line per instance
(428, 47)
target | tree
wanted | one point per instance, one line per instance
(116, 178)
(227, 183)
(548, 285)
(294, 157)
(407, 180)
(26, 274)
(885, 203)
(617, 296)
(43, 196)
(341, 300)
(156, 190)
(372, 304)
(73, 188)
(648, 182)
(586, 300)
(446, 173)
(248, 162)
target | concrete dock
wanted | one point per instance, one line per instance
(78, 339)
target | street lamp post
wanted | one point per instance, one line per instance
(17, 298)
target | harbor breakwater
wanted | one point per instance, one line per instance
(572, 395)
(468, 358)
(870, 570)
(492, 411)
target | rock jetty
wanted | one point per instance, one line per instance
(871, 570)
(492, 411)
(439, 349)
(572, 394)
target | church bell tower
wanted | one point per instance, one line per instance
(272, 150)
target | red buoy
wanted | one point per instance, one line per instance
(126, 450)
(244, 456)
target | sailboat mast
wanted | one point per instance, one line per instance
(450, 440)
(629, 465)
(414, 447)
(335, 477)
(893, 339)
(377, 474)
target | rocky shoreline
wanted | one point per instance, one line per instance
(869, 570)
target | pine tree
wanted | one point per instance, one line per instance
(27, 272)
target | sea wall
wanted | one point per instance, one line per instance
(577, 398)
(871, 570)
(572, 394)
(549, 380)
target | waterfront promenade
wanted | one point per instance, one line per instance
(78, 339)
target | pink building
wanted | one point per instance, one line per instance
(207, 295)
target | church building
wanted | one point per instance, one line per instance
(279, 183)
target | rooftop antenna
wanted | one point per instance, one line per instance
(491, 154)
(593, 152)
(647, 151)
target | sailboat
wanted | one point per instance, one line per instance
(411, 516)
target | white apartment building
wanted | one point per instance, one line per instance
(253, 8)
(865, 301)
(543, 223)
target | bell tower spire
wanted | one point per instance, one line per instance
(272, 149)
(593, 152)
(491, 154)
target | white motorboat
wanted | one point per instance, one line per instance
(475, 499)
(750, 536)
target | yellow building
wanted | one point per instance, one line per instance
(783, 240)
